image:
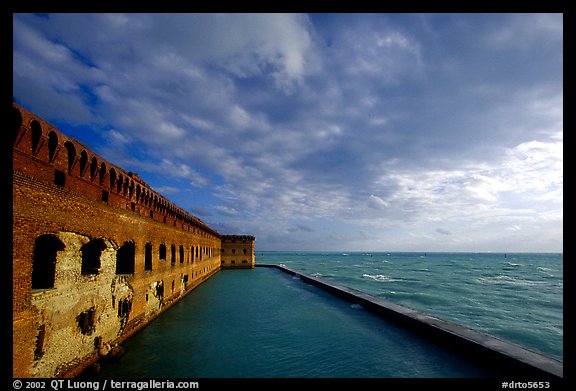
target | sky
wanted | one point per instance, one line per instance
(319, 132)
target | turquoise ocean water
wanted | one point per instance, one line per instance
(517, 297)
(264, 323)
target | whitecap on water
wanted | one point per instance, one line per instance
(378, 277)
(507, 280)
(547, 271)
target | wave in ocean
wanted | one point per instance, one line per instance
(379, 277)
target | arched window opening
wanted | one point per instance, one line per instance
(93, 168)
(36, 136)
(162, 252)
(102, 173)
(148, 256)
(83, 162)
(16, 124)
(181, 254)
(173, 255)
(71, 155)
(125, 258)
(119, 184)
(112, 178)
(91, 253)
(46, 249)
(131, 189)
(52, 144)
(137, 193)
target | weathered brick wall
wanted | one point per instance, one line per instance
(62, 189)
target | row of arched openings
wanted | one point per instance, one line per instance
(46, 248)
(84, 166)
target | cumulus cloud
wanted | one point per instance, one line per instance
(361, 121)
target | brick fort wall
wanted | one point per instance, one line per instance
(97, 253)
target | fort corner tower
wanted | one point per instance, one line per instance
(237, 251)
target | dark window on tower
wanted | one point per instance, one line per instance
(162, 252)
(125, 258)
(148, 256)
(59, 178)
(105, 196)
(181, 254)
(173, 255)
(91, 252)
(44, 263)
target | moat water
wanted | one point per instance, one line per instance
(263, 323)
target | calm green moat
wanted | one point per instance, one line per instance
(263, 323)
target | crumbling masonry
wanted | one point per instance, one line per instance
(97, 253)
